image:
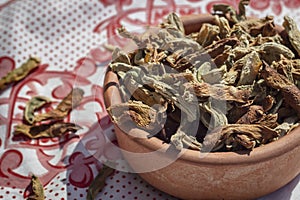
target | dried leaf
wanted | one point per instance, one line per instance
(263, 26)
(32, 105)
(37, 189)
(181, 140)
(251, 66)
(175, 21)
(71, 101)
(99, 182)
(220, 92)
(272, 51)
(239, 136)
(20, 72)
(291, 93)
(143, 115)
(56, 129)
(207, 34)
(294, 34)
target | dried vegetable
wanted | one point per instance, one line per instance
(99, 182)
(49, 124)
(20, 72)
(236, 80)
(37, 189)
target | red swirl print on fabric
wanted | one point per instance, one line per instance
(12, 158)
(153, 15)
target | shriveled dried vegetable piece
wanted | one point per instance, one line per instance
(218, 91)
(33, 104)
(71, 101)
(20, 72)
(207, 34)
(294, 34)
(176, 22)
(271, 51)
(231, 14)
(290, 91)
(256, 115)
(99, 182)
(251, 66)
(239, 136)
(56, 129)
(143, 115)
(37, 189)
(180, 140)
(264, 26)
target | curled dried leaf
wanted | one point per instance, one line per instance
(207, 34)
(37, 189)
(99, 182)
(239, 136)
(32, 105)
(143, 115)
(218, 91)
(293, 33)
(20, 72)
(71, 101)
(56, 129)
(290, 91)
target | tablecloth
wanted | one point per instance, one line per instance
(68, 36)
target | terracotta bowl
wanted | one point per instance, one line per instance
(194, 175)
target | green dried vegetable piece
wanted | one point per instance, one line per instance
(71, 101)
(119, 56)
(182, 140)
(99, 182)
(211, 116)
(293, 32)
(251, 66)
(45, 130)
(32, 105)
(20, 72)
(37, 189)
(272, 51)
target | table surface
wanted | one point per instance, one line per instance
(68, 36)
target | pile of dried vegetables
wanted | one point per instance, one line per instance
(236, 80)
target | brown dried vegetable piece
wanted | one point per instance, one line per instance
(142, 114)
(290, 91)
(37, 189)
(71, 101)
(218, 91)
(294, 34)
(239, 136)
(99, 182)
(56, 129)
(20, 72)
(32, 105)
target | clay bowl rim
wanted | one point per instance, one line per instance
(259, 154)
